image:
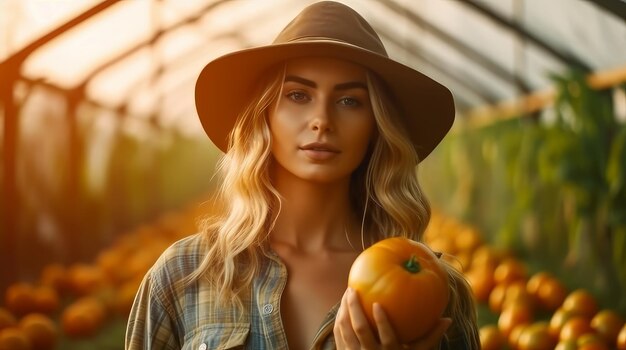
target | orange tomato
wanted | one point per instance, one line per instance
(509, 270)
(496, 298)
(393, 272)
(85, 279)
(55, 276)
(607, 323)
(536, 337)
(536, 280)
(514, 335)
(591, 341)
(574, 328)
(109, 261)
(621, 338)
(83, 318)
(504, 294)
(481, 281)
(485, 255)
(124, 297)
(6, 319)
(467, 240)
(566, 345)
(40, 330)
(20, 298)
(513, 315)
(582, 302)
(46, 300)
(13, 338)
(491, 338)
(558, 319)
(516, 293)
(551, 294)
(461, 261)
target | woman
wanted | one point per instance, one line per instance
(322, 133)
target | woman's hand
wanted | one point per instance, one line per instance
(352, 331)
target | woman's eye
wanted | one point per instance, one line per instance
(349, 102)
(298, 96)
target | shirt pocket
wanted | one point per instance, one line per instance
(218, 337)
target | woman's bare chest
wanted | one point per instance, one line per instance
(313, 288)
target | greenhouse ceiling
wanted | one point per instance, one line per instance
(141, 57)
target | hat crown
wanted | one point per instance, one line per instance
(328, 20)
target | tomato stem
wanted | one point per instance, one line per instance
(412, 265)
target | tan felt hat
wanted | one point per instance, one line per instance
(327, 29)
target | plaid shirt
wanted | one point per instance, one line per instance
(168, 317)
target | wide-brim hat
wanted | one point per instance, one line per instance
(328, 29)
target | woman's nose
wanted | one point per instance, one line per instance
(322, 119)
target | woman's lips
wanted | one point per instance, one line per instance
(319, 151)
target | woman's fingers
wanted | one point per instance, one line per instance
(353, 331)
(345, 338)
(360, 325)
(386, 333)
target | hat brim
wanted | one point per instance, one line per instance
(226, 83)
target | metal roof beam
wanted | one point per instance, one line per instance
(519, 30)
(466, 50)
(18, 57)
(199, 14)
(614, 7)
(416, 52)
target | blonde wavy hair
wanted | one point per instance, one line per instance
(385, 194)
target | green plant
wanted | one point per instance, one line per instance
(552, 189)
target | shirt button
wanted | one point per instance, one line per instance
(202, 346)
(267, 309)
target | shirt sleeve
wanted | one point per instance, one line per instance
(150, 325)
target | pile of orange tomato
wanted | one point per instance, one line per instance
(534, 311)
(77, 301)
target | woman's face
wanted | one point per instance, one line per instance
(323, 122)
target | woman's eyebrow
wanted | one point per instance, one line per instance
(342, 86)
(351, 85)
(295, 79)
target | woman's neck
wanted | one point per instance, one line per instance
(314, 216)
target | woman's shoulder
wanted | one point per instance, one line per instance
(181, 258)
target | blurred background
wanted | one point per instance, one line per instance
(104, 163)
